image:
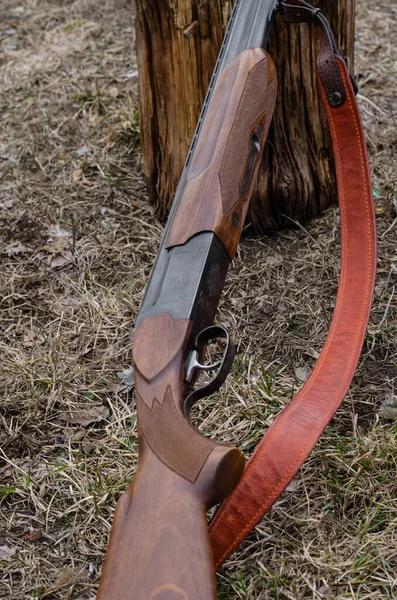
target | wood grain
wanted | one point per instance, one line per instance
(158, 342)
(297, 175)
(159, 547)
(296, 179)
(174, 74)
(214, 197)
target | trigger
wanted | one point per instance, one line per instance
(222, 367)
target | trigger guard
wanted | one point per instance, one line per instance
(224, 366)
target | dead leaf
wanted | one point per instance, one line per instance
(7, 552)
(302, 373)
(17, 248)
(8, 203)
(57, 231)
(77, 175)
(389, 412)
(238, 303)
(8, 470)
(86, 416)
(85, 352)
(83, 151)
(58, 245)
(110, 140)
(127, 381)
(93, 32)
(33, 340)
(380, 287)
(33, 536)
(87, 448)
(293, 486)
(65, 576)
(79, 435)
(388, 407)
(106, 210)
(62, 260)
(40, 470)
(136, 204)
(274, 261)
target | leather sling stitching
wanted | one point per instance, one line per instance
(274, 492)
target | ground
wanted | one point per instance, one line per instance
(77, 240)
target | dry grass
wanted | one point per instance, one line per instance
(77, 241)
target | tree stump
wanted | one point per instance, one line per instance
(177, 47)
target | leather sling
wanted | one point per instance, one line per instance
(295, 431)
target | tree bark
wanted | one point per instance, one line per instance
(177, 45)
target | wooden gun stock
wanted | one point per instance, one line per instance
(159, 546)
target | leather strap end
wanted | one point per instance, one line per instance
(299, 11)
(292, 436)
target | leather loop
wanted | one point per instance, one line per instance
(299, 11)
(295, 431)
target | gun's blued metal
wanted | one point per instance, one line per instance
(187, 281)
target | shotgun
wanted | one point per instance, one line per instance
(159, 546)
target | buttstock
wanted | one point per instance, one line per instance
(224, 168)
(159, 547)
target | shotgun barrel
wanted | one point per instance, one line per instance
(159, 546)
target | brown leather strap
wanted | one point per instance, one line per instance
(295, 431)
(299, 11)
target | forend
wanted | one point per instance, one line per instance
(221, 176)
